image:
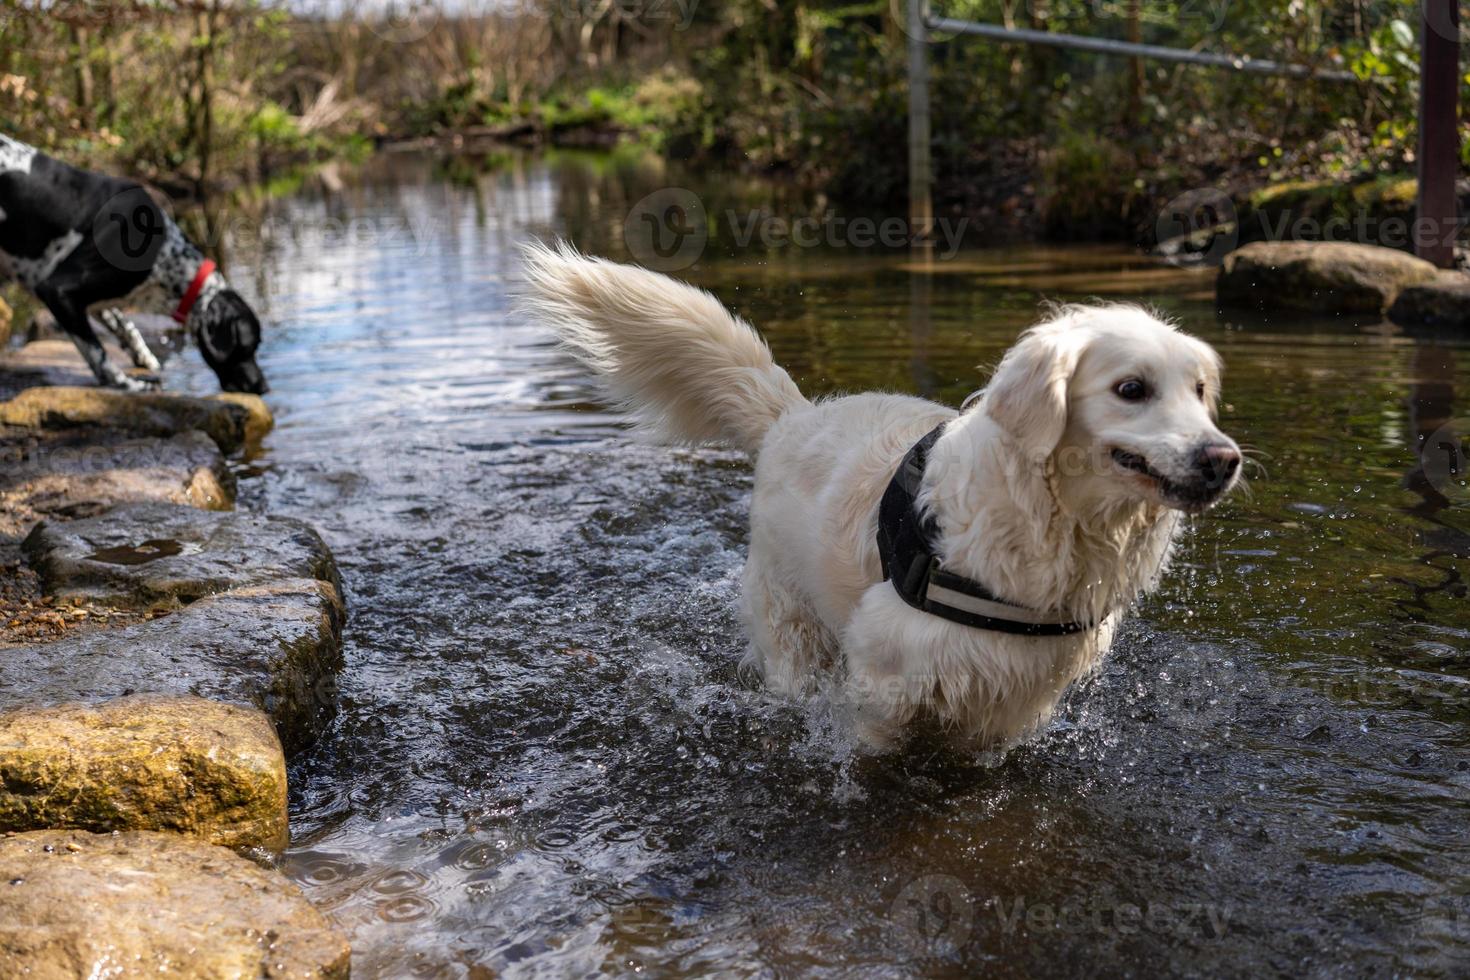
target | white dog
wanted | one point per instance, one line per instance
(1012, 539)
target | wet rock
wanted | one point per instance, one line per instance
(1442, 301)
(163, 556)
(1317, 277)
(72, 474)
(274, 647)
(228, 423)
(142, 904)
(258, 419)
(212, 771)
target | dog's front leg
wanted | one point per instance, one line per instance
(72, 317)
(132, 341)
(890, 673)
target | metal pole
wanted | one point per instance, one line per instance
(1439, 89)
(1102, 45)
(921, 163)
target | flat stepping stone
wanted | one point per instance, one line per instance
(147, 556)
(71, 475)
(276, 647)
(232, 422)
(151, 762)
(150, 904)
(1318, 277)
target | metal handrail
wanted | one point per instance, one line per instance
(1100, 45)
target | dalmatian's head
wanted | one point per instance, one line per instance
(228, 334)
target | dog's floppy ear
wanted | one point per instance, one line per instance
(1027, 397)
(230, 332)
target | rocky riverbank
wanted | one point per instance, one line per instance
(161, 656)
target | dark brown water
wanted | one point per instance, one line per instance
(545, 763)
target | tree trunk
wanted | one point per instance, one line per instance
(81, 39)
(1135, 65)
(204, 23)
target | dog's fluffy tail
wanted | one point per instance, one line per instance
(685, 367)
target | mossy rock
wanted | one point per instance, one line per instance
(229, 423)
(1376, 210)
(150, 762)
(1317, 277)
(141, 903)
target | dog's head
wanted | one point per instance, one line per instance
(1121, 404)
(228, 335)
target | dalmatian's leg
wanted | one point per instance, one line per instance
(132, 341)
(71, 315)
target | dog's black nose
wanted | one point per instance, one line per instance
(1217, 463)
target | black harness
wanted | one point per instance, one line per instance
(906, 547)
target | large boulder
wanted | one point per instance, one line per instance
(1443, 301)
(276, 647)
(229, 423)
(1317, 277)
(71, 475)
(162, 556)
(146, 762)
(74, 904)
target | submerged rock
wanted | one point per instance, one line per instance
(163, 556)
(229, 423)
(1317, 277)
(276, 647)
(212, 771)
(1443, 301)
(141, 903)
(71, 475)
(258, 418)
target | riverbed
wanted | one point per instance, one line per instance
(545, 762)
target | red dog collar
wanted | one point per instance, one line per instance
(191, 295)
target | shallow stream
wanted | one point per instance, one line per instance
(545, 763)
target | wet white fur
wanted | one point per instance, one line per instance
(1083, 539)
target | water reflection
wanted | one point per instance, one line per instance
(544, 760)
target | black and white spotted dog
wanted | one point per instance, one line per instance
(84, 242)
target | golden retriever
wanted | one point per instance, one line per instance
(1052, 499)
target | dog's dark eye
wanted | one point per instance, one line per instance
(1199, 390)
(1132, 390)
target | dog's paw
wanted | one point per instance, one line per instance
(125, 382)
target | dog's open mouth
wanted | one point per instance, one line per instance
(1187, 496)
